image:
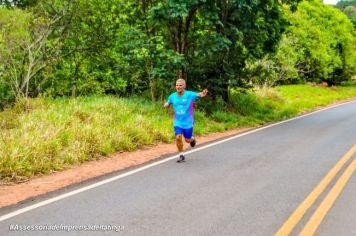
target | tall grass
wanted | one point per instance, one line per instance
(40, 135)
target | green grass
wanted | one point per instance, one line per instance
(38, 136)
(306, 98)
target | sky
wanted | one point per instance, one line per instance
(333, 2)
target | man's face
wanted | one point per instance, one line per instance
(180, 86)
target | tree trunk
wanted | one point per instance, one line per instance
(225, 92)
(74, 89)
(152, 81)
(181, 42)
(153, 86)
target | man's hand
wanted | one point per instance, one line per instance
(203, 93)
(166, 105)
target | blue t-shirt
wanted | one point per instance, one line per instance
(183, 108)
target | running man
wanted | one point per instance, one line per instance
(183, 106)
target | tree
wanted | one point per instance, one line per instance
(176, 17)
(127, 46)
(24, 49)
(278, 68)
(143, 53)
(323, 43)
(239, 31)
(88, 31)
(349, 8)
(18, 3)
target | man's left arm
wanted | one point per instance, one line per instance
(203, 93)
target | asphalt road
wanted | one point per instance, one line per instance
(249, 184)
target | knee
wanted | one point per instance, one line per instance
(179, 138)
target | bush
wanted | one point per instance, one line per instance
(244, 104)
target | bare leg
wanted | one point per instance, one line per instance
(179, 142)
(191, 141)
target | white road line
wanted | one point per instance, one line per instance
(66, 195)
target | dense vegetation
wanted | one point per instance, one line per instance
(128, 47)
(349, 8)
(42, 135)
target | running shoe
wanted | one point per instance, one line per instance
(181, 158)
(192, 142)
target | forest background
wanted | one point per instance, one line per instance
(74, 47)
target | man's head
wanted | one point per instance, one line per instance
(180, 86)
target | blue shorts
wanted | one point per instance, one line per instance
(187, 133)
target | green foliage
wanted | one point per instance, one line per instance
(15, 36)
(209, 105)
(318, 46)
(323, 44)
(149, 57)
(216, 39)
(18, 3)
(26, 49)
(349, 8)
(244, 104)
(89, 66)
(276, 68)
(126, 47)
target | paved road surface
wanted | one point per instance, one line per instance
(248, 185)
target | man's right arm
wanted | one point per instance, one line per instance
(169, 102)
(166, 105)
